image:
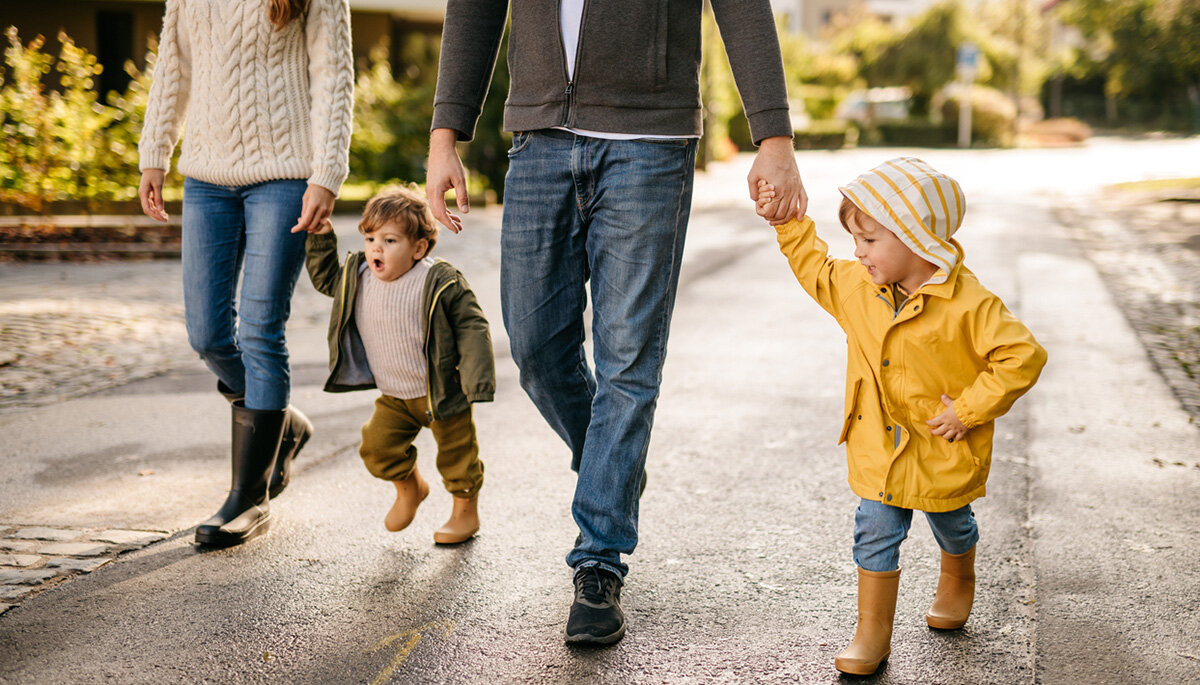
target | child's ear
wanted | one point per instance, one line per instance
(422, 247)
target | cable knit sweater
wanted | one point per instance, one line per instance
(261, 103)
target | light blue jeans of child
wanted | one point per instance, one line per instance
(880, 528)
(226, 228)
(611, 215)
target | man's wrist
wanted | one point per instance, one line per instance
(443, 137)
(775, 141)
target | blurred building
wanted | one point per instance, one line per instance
(814, 17)
(120, 30)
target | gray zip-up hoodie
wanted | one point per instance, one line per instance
(637, 69)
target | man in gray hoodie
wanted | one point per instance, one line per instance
(604, 106)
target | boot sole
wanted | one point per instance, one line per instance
(597, 640)
(442, 539)
(218, 539)
(859, 669)
(944, 624)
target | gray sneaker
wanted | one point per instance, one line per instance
(596, 616)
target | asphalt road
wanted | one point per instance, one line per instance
(1087, 563)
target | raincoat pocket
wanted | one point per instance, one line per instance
(850, 408)
(964, 446)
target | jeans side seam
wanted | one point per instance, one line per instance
(668, 307)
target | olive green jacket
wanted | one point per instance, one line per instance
(458, 344)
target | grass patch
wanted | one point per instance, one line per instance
(1158, 186)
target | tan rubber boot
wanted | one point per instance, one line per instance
(410, 492)
(955, 592)
(876, 609)
(463, 523)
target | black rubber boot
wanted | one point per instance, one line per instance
(246, 514)
(297, 429)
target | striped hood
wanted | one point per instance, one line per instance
(920, 205)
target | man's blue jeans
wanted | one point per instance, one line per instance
(880, 528)
(225, 229)
(582, 211)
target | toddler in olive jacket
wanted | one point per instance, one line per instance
(411, 327)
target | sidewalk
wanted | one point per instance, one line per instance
(1089, 571)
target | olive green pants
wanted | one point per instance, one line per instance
(388, 452)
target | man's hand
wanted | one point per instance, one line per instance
(947, 424)
(445, 171)
(150, 193)
(315, 208)
(775, 163)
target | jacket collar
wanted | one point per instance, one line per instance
(939, 285)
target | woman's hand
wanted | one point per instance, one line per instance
(315, 208)
(150, 193)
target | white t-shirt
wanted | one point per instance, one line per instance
(569, 20)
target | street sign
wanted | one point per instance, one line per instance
(967, 62)
(967, 65)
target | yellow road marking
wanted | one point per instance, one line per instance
(445, 626)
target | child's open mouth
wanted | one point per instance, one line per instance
(377, 264)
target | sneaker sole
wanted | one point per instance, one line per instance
(586, 639)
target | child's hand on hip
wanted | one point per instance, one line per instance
(947, 424)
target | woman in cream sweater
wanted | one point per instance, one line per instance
(266, 89)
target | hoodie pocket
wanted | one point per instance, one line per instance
(623, 51)
(850, 409)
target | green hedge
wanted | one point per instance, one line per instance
(63, 142)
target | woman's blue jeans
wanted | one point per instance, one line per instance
(233, 233)
(611, 215)
(880, 528)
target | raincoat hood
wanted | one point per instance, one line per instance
(920, 205)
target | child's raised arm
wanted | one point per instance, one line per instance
(321, 260)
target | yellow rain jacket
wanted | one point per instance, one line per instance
(952, 337)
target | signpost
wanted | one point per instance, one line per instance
(966, 65)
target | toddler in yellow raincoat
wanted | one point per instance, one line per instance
(934, 358)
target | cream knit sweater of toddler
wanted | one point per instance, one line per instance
(261, 103)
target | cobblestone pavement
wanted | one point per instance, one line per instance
(70, 329)
(66, 330)
(33, 559)
(1147, 247)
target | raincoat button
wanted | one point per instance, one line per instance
(886, 362)
(881, 494)
(889, 498)
(860, 417)
(916, 307)
(889, 428)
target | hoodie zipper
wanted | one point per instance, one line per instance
(569, 106)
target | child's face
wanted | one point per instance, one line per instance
(886, 258)
(390, 253)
